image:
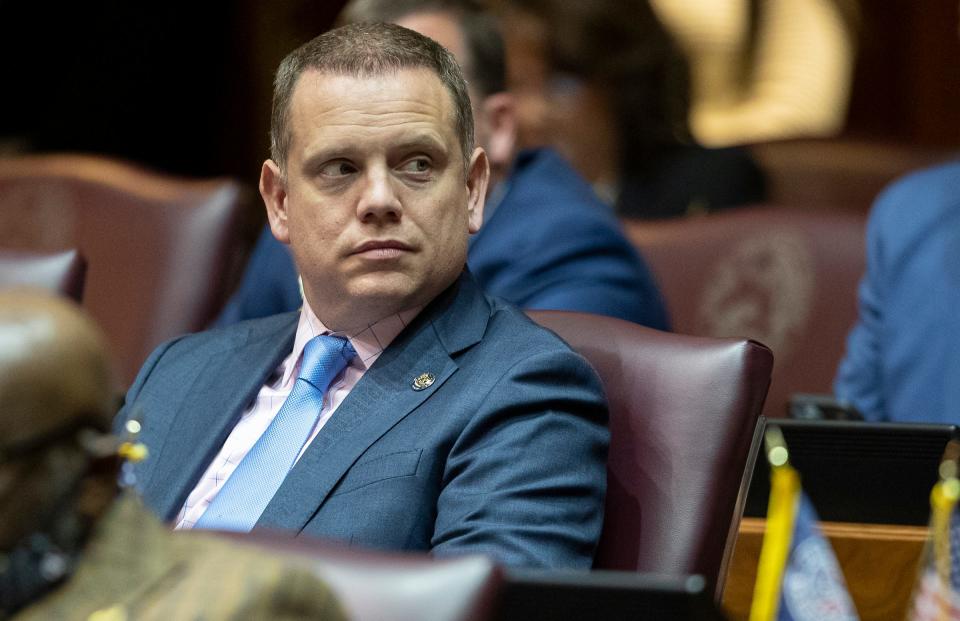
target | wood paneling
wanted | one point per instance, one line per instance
(879, 563)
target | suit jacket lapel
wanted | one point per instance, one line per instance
(383, 397)
(226, 383)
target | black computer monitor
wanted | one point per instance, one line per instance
(574, 596)
(877, 473)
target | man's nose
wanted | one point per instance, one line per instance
(379, 200)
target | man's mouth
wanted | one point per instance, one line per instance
(382, 249)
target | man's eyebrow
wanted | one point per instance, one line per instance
(420, 141)
(404, 145)
(314, 160)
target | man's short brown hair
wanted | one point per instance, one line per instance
(367, 49)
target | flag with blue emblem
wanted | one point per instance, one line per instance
(798, 577)
(936, 596)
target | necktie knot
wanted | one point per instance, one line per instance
(324, 357)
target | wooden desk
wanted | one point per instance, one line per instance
(879, 562)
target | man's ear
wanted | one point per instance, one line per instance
(478, 177)
(273, 189)
(500, 116)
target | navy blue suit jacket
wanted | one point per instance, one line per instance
(903, 356)
(547, 242)
(503, 454)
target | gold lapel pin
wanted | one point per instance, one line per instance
(424, 380)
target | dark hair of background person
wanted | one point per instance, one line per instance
(621, 45)
(485, 65)
(367, 49)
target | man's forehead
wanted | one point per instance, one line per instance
(367, 95)
(313, 82)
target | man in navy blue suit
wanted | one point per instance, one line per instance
(400, 408)
(547, 241)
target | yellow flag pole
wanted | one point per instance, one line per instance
(943, 501)
(781, 515)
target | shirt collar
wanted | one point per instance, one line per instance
(369, 342)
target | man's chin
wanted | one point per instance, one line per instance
(385, 286)
(365, 299)
(370, 299)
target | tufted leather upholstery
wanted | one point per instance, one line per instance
(60, 272)
(683, 416)
(161, 251)
(785, 277)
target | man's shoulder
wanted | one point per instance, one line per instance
(175, 360)
(543, 177)
(245, 331)
(919, 197)
(511, 337)
(549, 208)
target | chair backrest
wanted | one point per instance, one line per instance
(683, 414)
(372, 585)
(837, 173)
(60, 272)
(161, 251)
(785, 277)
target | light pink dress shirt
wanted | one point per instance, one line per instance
(369, 344)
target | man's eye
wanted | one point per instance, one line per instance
(416, 165)
(337, 168)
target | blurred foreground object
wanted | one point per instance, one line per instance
(56, 398)
(68, 549)
(798, 578)
(937, 593)
(58, 272)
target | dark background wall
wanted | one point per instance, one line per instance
(185, 87)
(907, 81)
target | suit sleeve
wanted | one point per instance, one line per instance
(859, 379)
(525, 481)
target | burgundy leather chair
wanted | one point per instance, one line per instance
(61, 272)
(372, 586)
(683, 418)
(163, 252)
(785, 277)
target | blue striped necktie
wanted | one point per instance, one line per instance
(245, 495)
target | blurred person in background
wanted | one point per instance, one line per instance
(546, 242)
(70, 548)
(604, 83)
(765, 70)
(902, 361)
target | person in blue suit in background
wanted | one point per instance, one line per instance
(903, 356)
(547, 241)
